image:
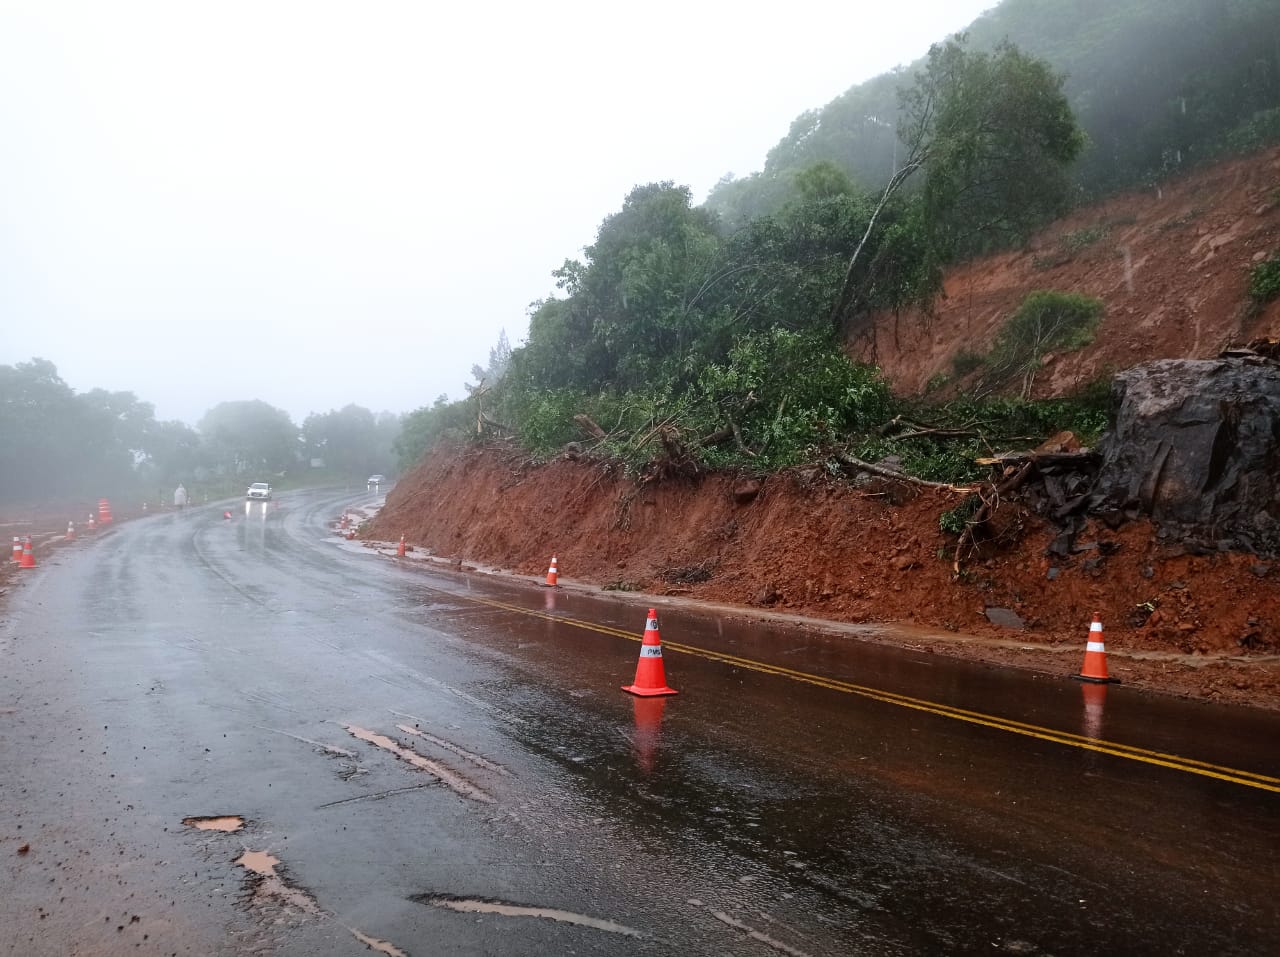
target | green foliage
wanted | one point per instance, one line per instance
(939, 380)
(1045, 322)
(788, 394)
(250, 437)
(424, 427)
(1000, 138)
(1156, 86)
(965, 361)
(954, 521)
(1087, 413)
(822, 181)
(352, 441)
(1080, 239)
(1264, 280)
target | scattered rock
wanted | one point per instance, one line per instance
(746, 491)
(1005, 618)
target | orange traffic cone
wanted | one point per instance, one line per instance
(92, 526)
(552, 575)
(28, 560)
(400, 548)
(17, 549)
(104, 512)
(71, 531)
(1095, 657)
(651, 677)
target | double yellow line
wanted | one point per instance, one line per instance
(1248, 779)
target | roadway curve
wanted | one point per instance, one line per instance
(421, 760)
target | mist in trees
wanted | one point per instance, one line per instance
(61, 446)
(1155, 85)
(688, 335)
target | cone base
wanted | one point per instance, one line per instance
(1096, 681)
(648, 692)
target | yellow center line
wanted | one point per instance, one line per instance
(1175, 762)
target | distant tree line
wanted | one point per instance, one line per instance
(60, 445)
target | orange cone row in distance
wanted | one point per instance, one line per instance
(1095, 657)
(651, 677)
(553, 575)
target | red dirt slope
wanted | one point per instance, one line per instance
(1171, 265)
(809, 546)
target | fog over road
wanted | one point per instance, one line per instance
(245, 735)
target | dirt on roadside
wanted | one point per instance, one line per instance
(801, 543)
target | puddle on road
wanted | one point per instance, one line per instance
(227, 824)
(479, 905)
(409, 756)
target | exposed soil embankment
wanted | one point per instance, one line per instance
(809, 545)
(1170, 263)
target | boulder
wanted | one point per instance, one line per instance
(1196, 446)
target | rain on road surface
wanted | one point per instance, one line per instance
(248, 736)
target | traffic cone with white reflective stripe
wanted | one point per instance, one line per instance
(400, 548)
(71, 531)
(17, 549)
(1095, 657)
(553, 574)
(28, 559)
(651, 677)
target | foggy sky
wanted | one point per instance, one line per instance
(318, 203)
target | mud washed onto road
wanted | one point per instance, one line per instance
(1205, 626)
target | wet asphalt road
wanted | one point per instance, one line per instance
(429, 761)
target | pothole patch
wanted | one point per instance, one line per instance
(228, 824)
(482, 905)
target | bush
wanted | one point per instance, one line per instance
(788, 394)
(1045, 322)
(965, 361)
(1264, 281)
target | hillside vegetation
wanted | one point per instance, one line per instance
(1179, 617)
(718, 336)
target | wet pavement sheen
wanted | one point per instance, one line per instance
(434, 761)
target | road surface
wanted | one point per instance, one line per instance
(249, 736)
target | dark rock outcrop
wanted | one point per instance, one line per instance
(1196, 446)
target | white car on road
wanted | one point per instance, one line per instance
(258, 490)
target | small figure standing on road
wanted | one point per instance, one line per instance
(180, 497)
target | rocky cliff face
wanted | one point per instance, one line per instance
(1196, 446)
